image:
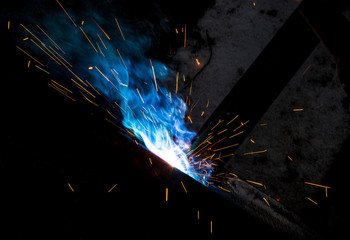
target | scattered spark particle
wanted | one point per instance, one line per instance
(312, 200)
(90, 68)
(317, 185)
(211, 226)
(61, 91)
(28, 63)
(53, 42)
(190, 88)
(42, 69)
(252, 140)
(112, 187)
(250, 153)
(256, 183)
(202, 114)
(150, 160)
(183, 185)
(224, 189)
(70, 187)
(166, 194)
(198, 215)
(289, 158)
(66, 13)
(198, 63)
(263, 124)
(225, 147)
(326, 191)
(119, 29)
(183, 77)
(266, 202)
(25, 39)
(137, 143)
(82, 23)
(177, 32)
(207, 103)
(236, 134)
(297, 109)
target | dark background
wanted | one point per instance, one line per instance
(49, 141)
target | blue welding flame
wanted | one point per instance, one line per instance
(122, 70)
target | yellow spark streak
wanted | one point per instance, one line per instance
(266, 202)
(242, 124)
(185, 37)
(89, 100)
(61, 91)
(42, 69)
(317, 185)
(70, 187)
(220, 121)
(263, 124)
(189, 118)
(88, 39)
(101, 41)
(82, 88)
(66, 13)
(211, 226)
(154, 75)
(202, 114)
(177, 82)
(229, 155)
(198, 62)
(326, 192)
(45, 51)
(61, 57)
(184, 78)
(25, 39)
(30, 56)
(28, 63)
(61, 86)
(312, 200)
(119, 28)
(297, 109)
(232, 119)
(82, 23)
(236, 134)
(183, 185)
(122, 59)
(252, 140)
(250, 153)
(222, 131)
(53, 42)
(224, 189)
(256, 183)
(306, 70)
(289, 158)
(102, 30)
(166, 194)
(191, 88)
(207, 103)
(139, 94)
(105, 77)
(226, 147)
(32, 34)
(198, 214)
(112, 187)
(150, 160)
